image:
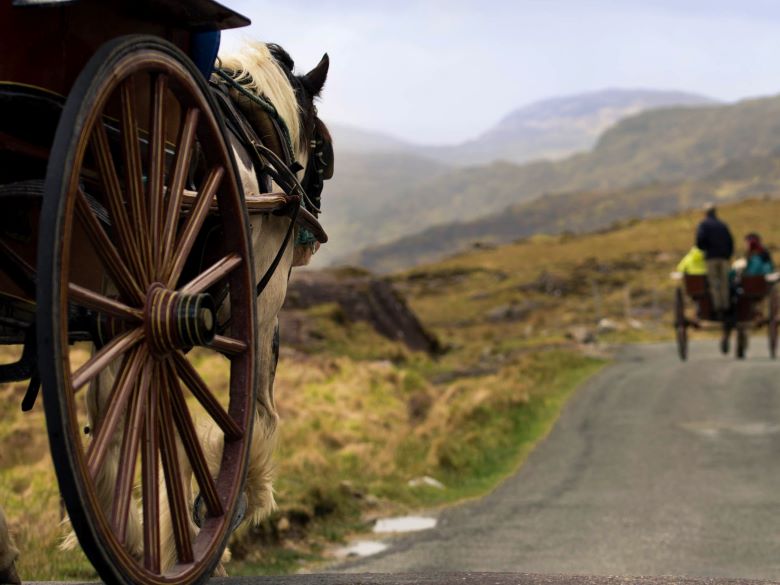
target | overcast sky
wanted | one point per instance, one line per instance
(443, 71)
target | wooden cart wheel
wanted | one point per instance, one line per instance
(772, 324)
(742, 341)
(680, 324)
(121, 254)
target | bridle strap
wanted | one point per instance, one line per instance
(278, 258)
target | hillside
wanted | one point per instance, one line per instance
(362, 184)
(660, 146)
(578, 212)
(363, 419)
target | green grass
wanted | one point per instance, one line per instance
(275, 561)
(32, 505)
(506, 437)
(493, 439)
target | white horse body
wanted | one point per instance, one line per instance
(267, 233)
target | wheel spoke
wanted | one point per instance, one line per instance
(116, 205)
(157, 169)
(173, 482)
(98, 362)
(118, 398)
(134, 172)
(198, 387)
(131, 442)
(194, 222)
(180, 169)
(109, 255)
(213, 274)
(150, 481)
(192, 447)
(92, 300)
(228, 345)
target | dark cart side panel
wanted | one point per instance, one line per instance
(753, 290)
(47, 46)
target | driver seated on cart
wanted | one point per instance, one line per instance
(714, 238)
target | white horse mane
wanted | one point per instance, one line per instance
(255, 61)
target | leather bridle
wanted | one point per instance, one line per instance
(303, 197)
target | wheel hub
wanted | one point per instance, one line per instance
(178, 321)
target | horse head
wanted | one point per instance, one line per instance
(313, 146)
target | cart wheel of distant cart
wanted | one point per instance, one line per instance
(139, 144)
(742, 341)
(772, 322)
(680, 324)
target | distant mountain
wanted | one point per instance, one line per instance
(557, 127)
(548, 129)
(667, 146)
(349, 139)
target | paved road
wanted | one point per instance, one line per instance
(655, 467)
(489, 578)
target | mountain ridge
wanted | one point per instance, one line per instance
(668, 146)
(548, 128)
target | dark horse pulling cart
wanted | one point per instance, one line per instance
(123, 225)
(747, 313)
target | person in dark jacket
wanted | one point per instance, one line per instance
(714, 237)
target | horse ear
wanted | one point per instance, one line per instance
(315, 79)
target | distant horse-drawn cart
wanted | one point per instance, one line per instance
(754, 305)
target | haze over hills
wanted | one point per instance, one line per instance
(577, 212)
(361, 188)
(351, 140)
(555, 128)
(547, 129)
(668, 146)
(374, 195)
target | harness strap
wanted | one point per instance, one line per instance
(278, 258)
(241, 129)
(291, 181)
(266, 106)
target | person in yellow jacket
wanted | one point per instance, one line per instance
(693, 262)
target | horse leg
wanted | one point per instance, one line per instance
(98, 395)
(260, 472)
(8, 554)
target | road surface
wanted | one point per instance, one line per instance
(655, 467)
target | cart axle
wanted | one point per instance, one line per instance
(176, 320)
